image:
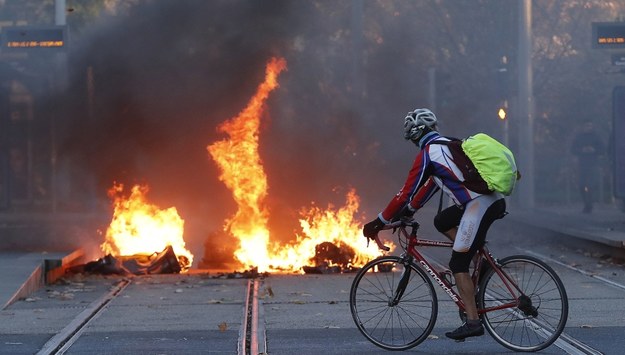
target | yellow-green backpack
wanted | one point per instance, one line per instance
(487, 165)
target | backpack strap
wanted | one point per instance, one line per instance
(472, 178)
(451, 139)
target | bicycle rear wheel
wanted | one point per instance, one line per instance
(390, 322)
(542, 310)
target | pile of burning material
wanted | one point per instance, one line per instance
(331, 259)
(165, 262)
(138, 230)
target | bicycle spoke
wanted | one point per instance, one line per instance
(412, 314)
(393, 324)
(542, 308)
(376, 296)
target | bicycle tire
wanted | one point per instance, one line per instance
(524, 328)
(393, 327)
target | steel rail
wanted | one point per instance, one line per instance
(63, 340)
(250, 338)
(581, 271)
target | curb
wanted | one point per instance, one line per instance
(48, 272)
(605, 236)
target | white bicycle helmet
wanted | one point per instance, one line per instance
(416, 122)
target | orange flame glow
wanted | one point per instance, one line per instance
(141, 228)
(337, 226)
(242, 172)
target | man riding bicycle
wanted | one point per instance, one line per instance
(465, 223)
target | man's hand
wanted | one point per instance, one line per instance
(371, 229)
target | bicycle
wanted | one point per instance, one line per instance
(521, 300)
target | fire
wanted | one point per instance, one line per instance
(139, 227)
(242, 172)
(337, 226)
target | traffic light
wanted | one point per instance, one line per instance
(502, 113)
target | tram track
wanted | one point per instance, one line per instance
(64, 339)
(96, 316)
(252, 334)
(576, 269)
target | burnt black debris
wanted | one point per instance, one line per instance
(165, 262)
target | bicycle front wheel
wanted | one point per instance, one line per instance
(392, 313)
(542, 307)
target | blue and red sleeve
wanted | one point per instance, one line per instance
(424, 194)
(417, 177)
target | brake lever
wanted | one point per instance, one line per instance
(380, 244)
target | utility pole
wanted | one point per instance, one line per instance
(525, 107)
(59, 12)
(58, 81)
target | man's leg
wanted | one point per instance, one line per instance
(467, 293)
(464, 284)
(478, 215)
(451, 234)
(459, 265)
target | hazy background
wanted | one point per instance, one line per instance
(147, 82)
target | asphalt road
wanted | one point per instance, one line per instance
(297, 314)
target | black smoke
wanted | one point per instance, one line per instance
(148, 89)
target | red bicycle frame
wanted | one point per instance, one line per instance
(414, 242)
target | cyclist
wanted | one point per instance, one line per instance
(465, 223)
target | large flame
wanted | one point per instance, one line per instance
(139, 227)
(337, 226)
(242, 172)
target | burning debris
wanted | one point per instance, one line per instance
(165, 262)
(141, 228)
(135, 235)
(331, 259)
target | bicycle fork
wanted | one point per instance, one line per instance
(401, 286)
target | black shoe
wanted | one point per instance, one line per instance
(465, 331)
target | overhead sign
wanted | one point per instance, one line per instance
(28, 38)
(608, 35)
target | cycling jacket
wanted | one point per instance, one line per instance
(432, 169)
